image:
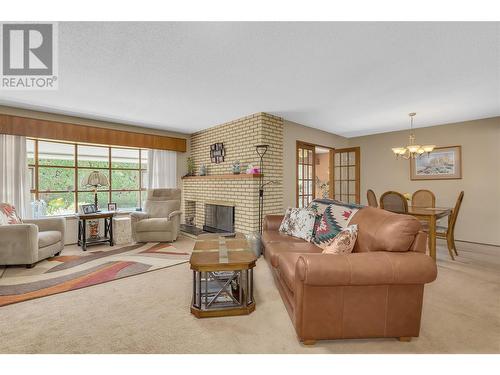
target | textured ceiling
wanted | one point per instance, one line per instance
(345, 78)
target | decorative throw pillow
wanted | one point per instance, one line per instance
(318, 206)
(344, 242)
(8, 214)
(335, 218)
(298, 222)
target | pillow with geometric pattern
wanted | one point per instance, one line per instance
(335, 218)
(8, 214)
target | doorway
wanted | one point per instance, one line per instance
(325, 172)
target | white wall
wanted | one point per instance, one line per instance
(479, 218)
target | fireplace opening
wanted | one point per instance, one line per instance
(219, 218)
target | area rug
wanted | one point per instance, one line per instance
(64, 273)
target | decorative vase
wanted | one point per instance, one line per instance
(203, 170)
(236, 167)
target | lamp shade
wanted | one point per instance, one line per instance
(95, 179)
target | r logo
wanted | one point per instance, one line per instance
(27, 49)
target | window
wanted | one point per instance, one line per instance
(57, 170)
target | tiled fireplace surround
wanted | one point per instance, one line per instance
(241, 191)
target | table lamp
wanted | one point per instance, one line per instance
(95, 179)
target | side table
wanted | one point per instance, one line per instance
(83, 241)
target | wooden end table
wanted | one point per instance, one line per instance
(222, 276)
(83, 241)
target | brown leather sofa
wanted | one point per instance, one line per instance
(376, 291)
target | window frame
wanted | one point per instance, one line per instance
(77, 189)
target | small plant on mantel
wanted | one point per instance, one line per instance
(191, 168)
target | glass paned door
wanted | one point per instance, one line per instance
(346, 175)
(305, 174)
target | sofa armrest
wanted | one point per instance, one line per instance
(138, 216)
(174, 213)
(49, 223)
(373, 268)
(18, 244)
(272, 222)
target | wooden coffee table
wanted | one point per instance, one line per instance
(222, 276)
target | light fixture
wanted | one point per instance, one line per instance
(412, 150)
(95, 180)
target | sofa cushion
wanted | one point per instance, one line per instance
(154, 225)
(298, 222)
(274, 249)
(335, 218)
(381, 230)
(275, 236)
(48, 238)
(8, 214)
(286, 268)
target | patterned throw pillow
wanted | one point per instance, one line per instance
(344, 242)
(8, 214)
(298, 222)
(335, 218)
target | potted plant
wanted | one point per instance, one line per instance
(191, 168)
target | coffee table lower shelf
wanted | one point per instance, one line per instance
(222, 293)
(235, 311)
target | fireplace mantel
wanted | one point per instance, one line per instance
(224, 176)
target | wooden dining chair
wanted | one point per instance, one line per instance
(423, 198)
(372, 198)
(394, 202)
(449, 231)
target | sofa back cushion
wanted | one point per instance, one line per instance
(8, 214)
(381, 230)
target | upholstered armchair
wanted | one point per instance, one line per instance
(31, 241)
(160, 221)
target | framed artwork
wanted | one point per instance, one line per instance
(88, 209)
(217, 153)
(443, 163)
(112, 206)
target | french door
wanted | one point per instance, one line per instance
(305, 174)
(346, 179)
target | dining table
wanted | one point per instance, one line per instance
(431, 215)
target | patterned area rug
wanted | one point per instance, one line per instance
(63, 273)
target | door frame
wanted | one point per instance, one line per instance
(298, 145)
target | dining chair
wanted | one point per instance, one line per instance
(394, 202)
(372, 198)
(423, 198)
(449, 231)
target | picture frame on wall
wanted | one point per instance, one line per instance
(443, 163)
(217, 153)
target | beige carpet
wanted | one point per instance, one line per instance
(149, 313)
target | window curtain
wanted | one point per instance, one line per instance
(14, 174)
(162, 169)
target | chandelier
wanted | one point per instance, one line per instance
(412, 150)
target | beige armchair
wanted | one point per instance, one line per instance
(31, 241)
(161, 220)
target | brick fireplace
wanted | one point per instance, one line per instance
(240, 191)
